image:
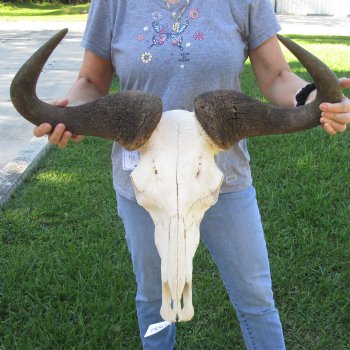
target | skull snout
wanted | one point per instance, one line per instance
(177, 310)
(177, 285)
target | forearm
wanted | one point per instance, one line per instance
(283, 89)
(275, 79)
(83, 91)
(277, 82)
(94, 80)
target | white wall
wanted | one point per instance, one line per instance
(314, 7)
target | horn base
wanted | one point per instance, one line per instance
(127, 117)
(228, 116)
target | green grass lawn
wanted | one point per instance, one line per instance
(66, 280)
(43, 11)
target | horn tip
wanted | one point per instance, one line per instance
(62, 33)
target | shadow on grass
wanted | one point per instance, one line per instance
(44, 9)
(321, 39)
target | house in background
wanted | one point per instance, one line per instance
(313, 7)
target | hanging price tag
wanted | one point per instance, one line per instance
(130, 159)
(157, 327)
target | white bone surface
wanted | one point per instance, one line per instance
(176, 181)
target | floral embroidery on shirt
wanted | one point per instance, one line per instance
(171, 32)
(199, 36)
(194, 13)
(163, 34)
(156, 15)
(146, 57)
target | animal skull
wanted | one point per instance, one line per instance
(176, 181)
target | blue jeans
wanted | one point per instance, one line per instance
(233, 233)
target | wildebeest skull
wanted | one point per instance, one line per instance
(176, 180)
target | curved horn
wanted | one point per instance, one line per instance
(127, 117)
(228, 116)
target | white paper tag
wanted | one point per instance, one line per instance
(130, 159)
(157, 327)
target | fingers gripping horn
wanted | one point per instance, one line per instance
(228, 116)
(127, 117)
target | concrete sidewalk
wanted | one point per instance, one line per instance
(315, 25)
(19, 151)
(55, 80)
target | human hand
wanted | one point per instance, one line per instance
(336, 116)
(59, 136)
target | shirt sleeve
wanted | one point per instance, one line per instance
(98, 32)
(262, 23)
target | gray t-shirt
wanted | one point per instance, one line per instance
(153, 50)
